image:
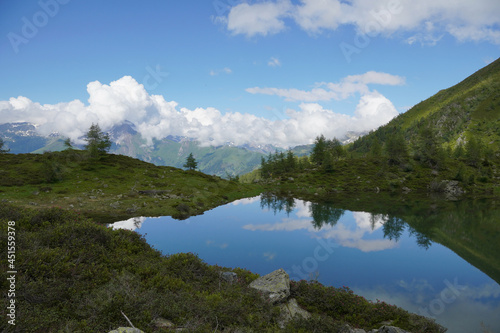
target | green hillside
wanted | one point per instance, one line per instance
(114, 185)
(471, 108)
(449, 144)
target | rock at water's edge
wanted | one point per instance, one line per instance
(275, 286)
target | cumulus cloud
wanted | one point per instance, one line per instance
(425, 21)
(155, 118)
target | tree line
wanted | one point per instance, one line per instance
(392, 147)
(323, 156)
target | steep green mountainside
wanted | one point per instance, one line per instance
(471, 108)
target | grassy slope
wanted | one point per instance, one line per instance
(470, 108)
(111, 186)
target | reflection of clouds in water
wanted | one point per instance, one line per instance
(245, 201)
(463, 313)
(269, 255)
(302, 209)
(491, 290)
(369, 245)
(287, 224)
(214, 244)
(365, 223)
(130, 224)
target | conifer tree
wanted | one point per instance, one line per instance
(473, 151)
(98, 142)
(291, 164)
(191, 163)
(396, 148)
(2, 151)
(375, 148)
(318, 154)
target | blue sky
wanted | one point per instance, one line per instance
(272, 71)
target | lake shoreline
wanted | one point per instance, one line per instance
(49, 233)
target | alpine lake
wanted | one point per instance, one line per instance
(436, 258)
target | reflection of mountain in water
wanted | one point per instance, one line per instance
(470, 228)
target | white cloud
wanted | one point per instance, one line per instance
(316, 15)
(225, 70)
(337, 91)
(274, 62)
(425, 20)
(154, 117)
(258, 19)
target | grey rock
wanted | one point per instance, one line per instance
(391, 329)
(163, 323)
(348, 329)
(452, 189)
(406, 189)
(289, 310)
(152, 193)
(114, 205)
(275, 286)
(126, 330)
(229, 277)
(132, 209)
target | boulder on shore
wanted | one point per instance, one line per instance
(275, 286)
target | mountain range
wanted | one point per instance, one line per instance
(226, 160)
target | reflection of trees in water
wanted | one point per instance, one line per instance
(394, 227)
(324, 214)
(276, 203)
(470, 228)
(329, 214)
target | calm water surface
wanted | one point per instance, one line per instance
(378, 256)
